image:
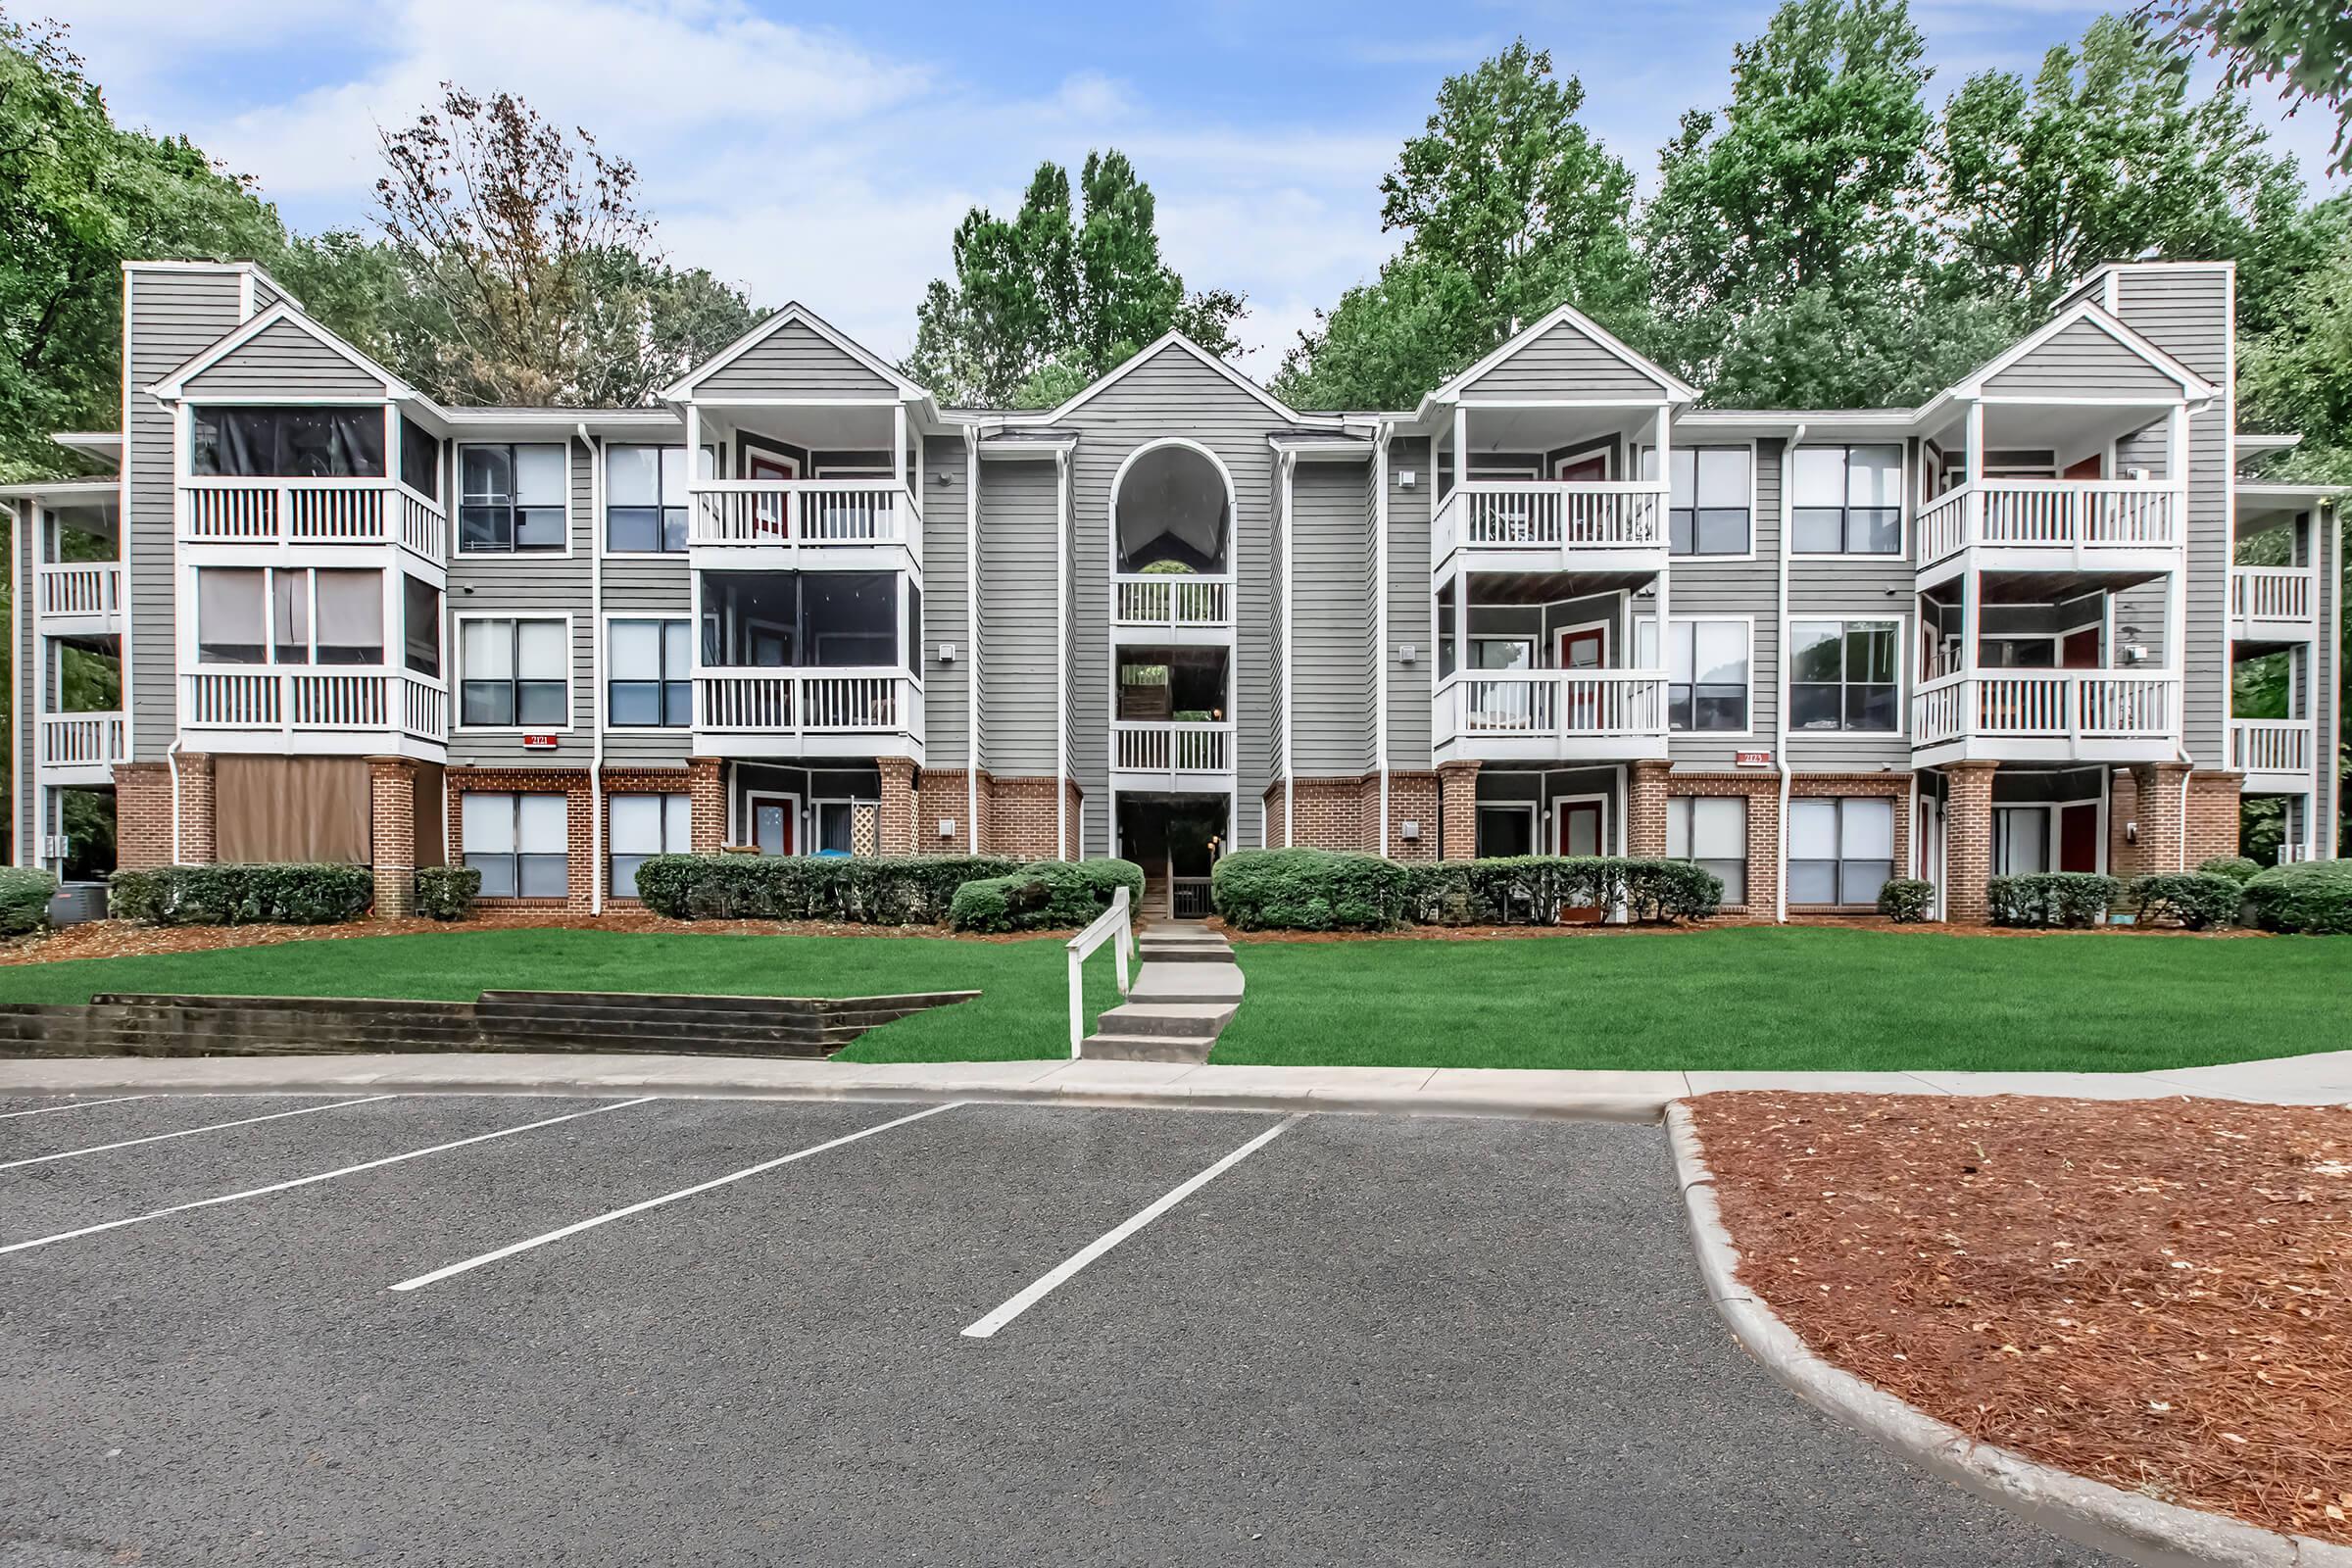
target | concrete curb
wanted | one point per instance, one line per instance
(2135, 1528)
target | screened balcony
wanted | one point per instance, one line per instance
(1173, 725)
(795, 663)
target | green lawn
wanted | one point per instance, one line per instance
(1794, 998)
(1023, 1009)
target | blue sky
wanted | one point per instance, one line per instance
(824, 152)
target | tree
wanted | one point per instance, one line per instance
(2307, 42)
(2298, 376)
(1509, 208)
(2107, 156)
(1044, 302)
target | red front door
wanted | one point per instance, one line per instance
(1576, 829)
(2079, 838)
(2079, 649)
(1589, 470)
(2087, 468)
(772, 513)
(1584, 648)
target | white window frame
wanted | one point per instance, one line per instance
(751, 819)
(515, 798)
(613, 854)
(2047, 812)
(455, 505)
(1559, 820)
(1902, 670)
(604, 695)
(603, 495)
(1902, 502)
(456, 661)
(1643, 453)
(1747, 625)
(1535, 822)
(1747, 857)
(1894, 861)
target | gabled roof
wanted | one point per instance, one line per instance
(1168, 340)
(1677, 388)
(2194, 387)
(176, 385)
(682, 389)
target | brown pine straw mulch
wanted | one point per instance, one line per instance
(2154, 1294)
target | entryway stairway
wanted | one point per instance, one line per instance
(1186, 992)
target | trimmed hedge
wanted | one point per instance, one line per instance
(447, 891)
(1322, 890)
(853, 889)
(241, 894)
(1044, 896)
(2073, 899)
(1906, 900)
(2310, 898)
(25, 894)
(2236, 868)
(2197, 900)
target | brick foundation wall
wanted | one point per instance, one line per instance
(392, 835)
(1326, 813)
(142, 815)
(2156, 806)
(199, 843)
(2213, 800)
(580, 825)
(1763, 794)
(1021, 817)
(2123, 806)
(1967, 841)
(894, 817)
(1896, 787)
(708, 823)
(1275, 799)
(1415, 798)
(1457, 811)
(1646, 809)
(943, 793)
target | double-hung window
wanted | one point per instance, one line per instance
(513, 672)
(1711, 832)
(646, 498)
(1839, 851)
(1842, 674)
(289, 615)
(520, 843)
(644, 825)
(512, 499)
(651, 682)
(1708, 494)
(1846, 501)
(1706, 671)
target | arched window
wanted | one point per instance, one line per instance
(1172, 506)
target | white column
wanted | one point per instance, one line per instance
(1462, 448)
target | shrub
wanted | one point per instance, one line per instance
(2071, 899)
(2311, 898)
(447, 891)
(2236, 868)
(1318, 890)
(856, 890)
(2195, 899)
(1310, 890)
(1044, 895)
(1906, 900)
(25, 894)
(241, 894)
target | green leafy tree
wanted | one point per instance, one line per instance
(1509, 207)
(1047, 301)
(2306, 45)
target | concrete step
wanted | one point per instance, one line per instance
(1187, 953)
(1187, 982)
(1181, 1020)
(1143, 1047)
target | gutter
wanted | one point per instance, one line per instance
(1780, 751)
(596, 667)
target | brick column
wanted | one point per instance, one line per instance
(1458, 811)
(1412, 797)
(1967, 841)
(707, 815)
(1645, 810)
(199, 845)
(896, 827)
(2213, 800)
(142, 815)
(392, 834)
(2157, 787)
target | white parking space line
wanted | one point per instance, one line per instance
(578, 1226)
(189, 1132)
(987, 1327)
(322, 1176)
(78, 1104)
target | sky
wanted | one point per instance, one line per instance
(824, 152)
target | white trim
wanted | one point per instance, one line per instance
(454, 505)
(1748, 623)
(1554, 808)
(1166, 340)
(1901, 552)
(457, 666)
(1633, 451)
(750, 810)
(1676, 388)
(174, 386)
(2194, 387)
(1534, 823)
(683, 390)
(1607, 630)
(1904, 627)
(604, 664)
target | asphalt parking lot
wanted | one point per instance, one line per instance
(979, 1335)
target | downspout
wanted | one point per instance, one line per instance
(596, 668)
(1290, 779)
(1780, 751)
(1379, 620)
(1061, 657)
(19, 748)
(971, 620)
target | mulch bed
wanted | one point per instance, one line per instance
(2156, 1294)
(1858, 922)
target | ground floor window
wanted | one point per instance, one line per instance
(1839, 851)
(1711, 830)
(643, 825)
(2021, 840)
(520, 843)
(1505, 830)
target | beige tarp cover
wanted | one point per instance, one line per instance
(290, 809)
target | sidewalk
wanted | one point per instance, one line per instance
(2321, 1079)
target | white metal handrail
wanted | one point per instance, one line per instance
(1115, 925)
(1172, 746)
(2270, 592)
(315, 511)
(803, 700)
(368, 702)
(2082, 705)
(82, 588)
(2270, 745)
(1554, 702)
(1559, 515)
(2052, 514)
(796, 514)
(83, 740)
(1151, 599)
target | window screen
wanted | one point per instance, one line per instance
(230, 619)
(520, 843)
(651, 682)
(1711, 831)
(288, 443)
(1839, 851)
(514, 674)
(643, 825)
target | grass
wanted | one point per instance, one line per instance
(1022, 1011)
(1794, 999)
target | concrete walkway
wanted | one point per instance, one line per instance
(2314, 1080)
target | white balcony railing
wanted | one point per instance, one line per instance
(2270, 745)
(2270, 592)
(81, 588)
(370, 701)
(2047, 704)
(805, 513)
(1176, 748)
(83, 740)
(1567, 516)
(1553, 704)
(1147, 599)
(795, 701)
(312, 512)
(2051, 514)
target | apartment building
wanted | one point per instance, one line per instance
(299, 611)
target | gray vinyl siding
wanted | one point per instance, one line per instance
(175, 313)
(2149, 447)
(1016, 595)
(640, 587)
(1408, 591)
(29, 677)
(795, 360)
(545, 587)
(1698, 587)
(2186, 313)
(1565, 363)
(283, 360)
(1330, 628)
(2084, 359)
(1862, 588)
(1173, 394)
(947, 612)
(1278, 600)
